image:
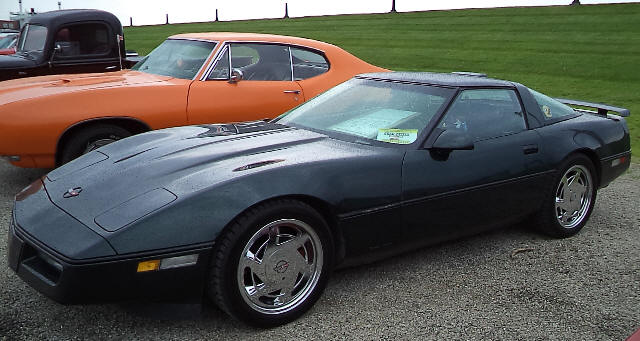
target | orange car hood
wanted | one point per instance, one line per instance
(28, 88)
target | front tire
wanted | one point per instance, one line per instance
(569, 205)
(271, 264)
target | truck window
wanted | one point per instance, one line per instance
(88, 39)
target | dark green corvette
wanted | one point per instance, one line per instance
(256, 215)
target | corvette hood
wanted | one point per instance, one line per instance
(34, 87)
(171, 163)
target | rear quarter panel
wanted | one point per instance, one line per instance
(600, 138)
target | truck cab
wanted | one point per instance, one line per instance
(67, 41)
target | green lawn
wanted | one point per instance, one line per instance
(581, 52)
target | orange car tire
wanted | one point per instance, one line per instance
(90, 138)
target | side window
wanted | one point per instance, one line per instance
(485, 113)
(307, 64)
(258, 62)
(83, 40)
(221, 70)
(551, 109)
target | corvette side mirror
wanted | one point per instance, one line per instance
(236, 76)
(452, 139)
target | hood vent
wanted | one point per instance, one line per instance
(256, 165)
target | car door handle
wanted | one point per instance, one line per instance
(530, 149)
(292, 91)
(111, 67)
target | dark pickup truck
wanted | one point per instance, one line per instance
(67, 41)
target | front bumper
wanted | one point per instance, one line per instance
(104, 280)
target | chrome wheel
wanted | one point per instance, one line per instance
(573, 196)
(280, 266)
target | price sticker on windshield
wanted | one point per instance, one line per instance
(399, 136)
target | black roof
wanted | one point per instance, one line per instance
(57, 18)
(445, 79)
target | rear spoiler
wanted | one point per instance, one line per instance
(603, 109)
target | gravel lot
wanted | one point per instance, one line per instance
(479, 288)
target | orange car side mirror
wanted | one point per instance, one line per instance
(236, 76)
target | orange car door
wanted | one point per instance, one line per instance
(262, 86)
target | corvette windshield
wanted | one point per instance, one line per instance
(176, 58)
(373, 110)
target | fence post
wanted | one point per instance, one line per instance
(393, 6)
(216, 14)
(286, 10)
(131, 21)
(167, 23)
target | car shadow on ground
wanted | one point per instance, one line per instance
(508, 242)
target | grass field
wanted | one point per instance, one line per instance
(581, 52)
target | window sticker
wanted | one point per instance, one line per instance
(369, 124)
(547, 111)
(398, 136)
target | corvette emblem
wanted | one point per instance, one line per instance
(281, 267)
(72, 192)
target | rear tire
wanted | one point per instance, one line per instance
(568, 206)
(89, 139)
(271, 264)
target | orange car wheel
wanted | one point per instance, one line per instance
(89, 139)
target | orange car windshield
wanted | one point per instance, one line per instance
(176, 58)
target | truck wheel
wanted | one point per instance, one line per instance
(89, 139)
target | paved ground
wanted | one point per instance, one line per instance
(479, 288)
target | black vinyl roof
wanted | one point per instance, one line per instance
(445, 79)
(54, 19)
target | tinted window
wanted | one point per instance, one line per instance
(258, 62)
(551, 109)
(485, 113)
(371, 110)
(307, 64)
(83, 39)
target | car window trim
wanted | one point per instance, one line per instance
(311, 50)
(430, 138)
(526, 126)
(227, 43)
(291, 62)
(213, 63)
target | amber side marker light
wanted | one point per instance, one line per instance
(149, 265)
(167, 263)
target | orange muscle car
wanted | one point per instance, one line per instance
(189, 79)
